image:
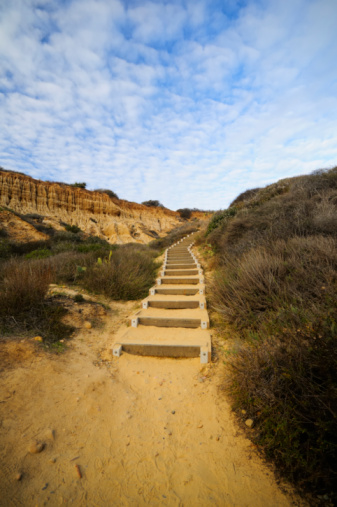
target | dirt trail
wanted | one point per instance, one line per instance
(142, 430)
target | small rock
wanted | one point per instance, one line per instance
(36, 447)
(249, 423)
(50, 434)
(38, 339)
(87, 324)
(243, 412)
(200, 426)
(52, 460)
(18, 476)
(173, 412)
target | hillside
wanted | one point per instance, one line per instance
(56, 205)
(274, 251)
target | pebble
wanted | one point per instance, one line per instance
(52, 460)
(249, 423)
(35, 447)
(173, 412)
(87, 324)
(18, 476)
(50, 434)
(243, 412)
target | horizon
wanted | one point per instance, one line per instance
(187, 103)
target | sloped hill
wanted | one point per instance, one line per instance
(275, 252)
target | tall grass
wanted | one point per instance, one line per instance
(23, 287)
(23, 303)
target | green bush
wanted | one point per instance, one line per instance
(219, 217)
(185, 213)
(110, 193)
(72, 228)
(39, 254)
(5, 249)
(79, 185)
(153, 204)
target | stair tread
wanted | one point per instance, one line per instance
(180, 313)
(151, 335)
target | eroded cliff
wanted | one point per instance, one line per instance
(95, 213)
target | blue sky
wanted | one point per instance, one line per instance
(186, 101)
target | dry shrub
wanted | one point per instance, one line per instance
(23, 303)
(23, 288)
(299, 273)
(126, 274)
(287, 384)
(69, 267)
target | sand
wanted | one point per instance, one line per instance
(126, 431)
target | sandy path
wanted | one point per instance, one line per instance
(144, 431)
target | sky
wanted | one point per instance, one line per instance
(189, 102)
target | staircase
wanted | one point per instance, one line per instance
(173, 320)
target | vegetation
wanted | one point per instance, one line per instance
(127, 273)
(79, 185)
(153, 204)
(275, 287)
(26, 270)
(72, 228)
(23, 302)
(185, 213)
(110, 193)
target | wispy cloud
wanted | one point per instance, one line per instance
(181, 101)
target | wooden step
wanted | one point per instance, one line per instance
(179, 281)
(174, 304)
(180, 272)
(181, 266)
(169, 322)
(182, 291)
(162, 342)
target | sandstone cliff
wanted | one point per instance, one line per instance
(95, 213)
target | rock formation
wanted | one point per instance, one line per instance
(96, 213)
